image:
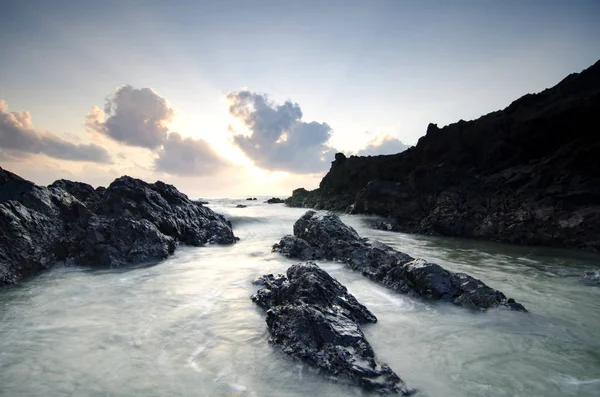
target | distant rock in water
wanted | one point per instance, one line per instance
(275, 200)
(327, 237)
(240, 206)
(528, 174)
(251, 198)
(314, 318)
(129, 222)
(592, 277)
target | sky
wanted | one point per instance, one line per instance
(245, 98)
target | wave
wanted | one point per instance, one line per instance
(237, 220)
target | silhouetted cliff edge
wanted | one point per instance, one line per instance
(528, 174)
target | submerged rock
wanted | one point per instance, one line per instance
(314, 318)
(327, 237)
(129, 222)
(591, 277)
(240, 206)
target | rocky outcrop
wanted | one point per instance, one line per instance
(129, 222)
(527, 174)
(240, 206)
(275, 200)
(313, 317)
(327, 237)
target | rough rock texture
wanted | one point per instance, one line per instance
(313, 317)
(527, 174)
(327, 237)
(129, 222)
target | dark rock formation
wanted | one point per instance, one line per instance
(314, 318)
(327, 237)
(251, 198)
(275, 200)
(527, 174)
(129, 222)
(303, 198)
(240, 206)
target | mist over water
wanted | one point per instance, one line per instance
(187, 327)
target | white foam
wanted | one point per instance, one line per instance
(576, 382)
(240, 388)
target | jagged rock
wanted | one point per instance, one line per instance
(527, 174)
(293, 247)
(314, 318)
(240, 206)
(327, 237)
(275, 200)
(168, 209)
(81, 191)
(129, 222)
(120, 242)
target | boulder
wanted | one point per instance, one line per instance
(325, 236)
(313, 317)
(240, 206)
(130, 222)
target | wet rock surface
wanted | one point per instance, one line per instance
(129, 222)
(311, 316)
(325, 236)
(527, 174)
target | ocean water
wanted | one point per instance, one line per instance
(187, 327)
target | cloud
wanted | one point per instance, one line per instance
(280, 140)
(18, 137)
(140, 118)
(136, 117)
(187, 157)
(383, 144)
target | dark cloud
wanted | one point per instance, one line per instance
(280, 140)
(18, 134)
(136, 117)
(187, 157)
(383, 144)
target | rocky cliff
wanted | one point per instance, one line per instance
(527, 174)
(129, 222)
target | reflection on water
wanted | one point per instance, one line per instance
(186, 327)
